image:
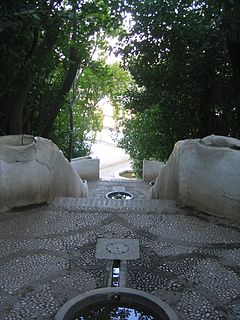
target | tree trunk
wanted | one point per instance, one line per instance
(234, 45)
(16, 121)
(71, 125)
(204, 114)
(26, 78)
(70, 143)
(66, 86)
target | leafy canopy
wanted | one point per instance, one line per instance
(176, 52)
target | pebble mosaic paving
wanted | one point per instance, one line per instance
(47, 256)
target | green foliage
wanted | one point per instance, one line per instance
(176, 52)
(43, 44)
(146, 135)
(96, 82)
(87, 121)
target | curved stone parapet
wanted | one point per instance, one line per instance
(33, 170)
(204, 174)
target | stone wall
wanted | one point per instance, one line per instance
(86, 167)
(33, 170)
(204, 174)
(151, 169)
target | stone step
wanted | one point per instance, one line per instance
(68, 202)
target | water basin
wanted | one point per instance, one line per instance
(115, 304)
(119, 195)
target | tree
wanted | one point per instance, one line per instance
(233, 41)
(96, 81)
(27, 37)
(177, 54)
(43, 44)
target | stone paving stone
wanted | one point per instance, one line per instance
(193, 306)
(231, 256)
(22, 271)
(39, 302)
(235, 310)
(69, 203)
(183, 228)
(188, 259)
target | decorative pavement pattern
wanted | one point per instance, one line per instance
(188, 259)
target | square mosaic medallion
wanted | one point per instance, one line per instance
(117, 249)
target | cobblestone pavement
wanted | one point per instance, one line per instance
(188, 259)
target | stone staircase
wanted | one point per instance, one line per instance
(98, 190)
(48, 254)
(78, 203)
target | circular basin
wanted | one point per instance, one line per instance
(127, 174)
(115, 304)
(119, 195)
